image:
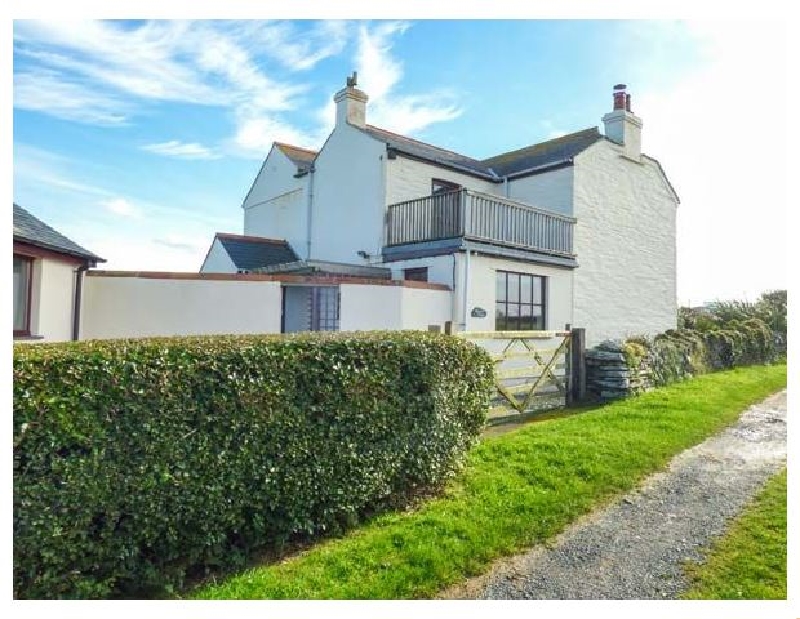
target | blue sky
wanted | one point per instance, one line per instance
(139, 139)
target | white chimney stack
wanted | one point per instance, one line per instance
(622, 126)
(351, 104)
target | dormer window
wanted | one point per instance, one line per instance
(441, 186)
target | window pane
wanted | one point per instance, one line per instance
(525, 318)
(513, 287)
(500, 317)
(513, 317)
(20, 283)
(500, 290)
(538, 284)
(526, 282)
(538, 318)
(418, 274)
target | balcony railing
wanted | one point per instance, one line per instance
(479, 216)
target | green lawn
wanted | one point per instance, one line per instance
(749, 561)
(518, 489)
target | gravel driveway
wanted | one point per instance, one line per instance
(634, 548)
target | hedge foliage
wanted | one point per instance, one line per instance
(137, 461)
(682, 353)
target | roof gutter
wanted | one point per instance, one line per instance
(553, 165)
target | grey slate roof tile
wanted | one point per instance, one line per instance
(553, 151)
(251, 252)
(429, 152)
(31, 230)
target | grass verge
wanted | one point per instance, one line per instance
(517, 490)
(749, 561)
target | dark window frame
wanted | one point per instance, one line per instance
(325, 309)
(445, 186)
(519, 304)
(411, 275)
(26, 332)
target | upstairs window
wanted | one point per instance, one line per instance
(418, 274)
(519, 302)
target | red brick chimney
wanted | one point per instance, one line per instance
(623, 126)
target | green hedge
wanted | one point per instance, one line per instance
(682, 353)
(137, 462)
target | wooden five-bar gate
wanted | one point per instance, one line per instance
(534, 370)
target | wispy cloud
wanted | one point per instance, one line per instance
(294, 49)
(121, 207)
(380, 73)
(45, 91)
(181, 150)
(105, 72)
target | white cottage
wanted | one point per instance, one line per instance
(578, 230)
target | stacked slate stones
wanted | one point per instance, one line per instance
(608, 375)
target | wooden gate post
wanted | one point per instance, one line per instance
(578, 364)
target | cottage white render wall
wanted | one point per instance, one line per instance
(217, 260)
(368, 308)
(482, 291)
(365, 307)
(52, 300)
(408, 179)
(440, 268)
(625, 242)
(548, 190)
(276, 206)
(349, 197)
(142, 307)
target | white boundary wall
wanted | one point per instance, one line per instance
(115, 307)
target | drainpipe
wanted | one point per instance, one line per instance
(76, 310)
(505, 186)
(310, 208)
(466, 288)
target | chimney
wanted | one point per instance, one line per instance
(351, 104)
(623, 126)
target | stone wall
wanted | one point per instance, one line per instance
(608, 375)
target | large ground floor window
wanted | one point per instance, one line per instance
(519, 302)
(22, 295)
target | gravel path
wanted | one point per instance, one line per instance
(634, 549)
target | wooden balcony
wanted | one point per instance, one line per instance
(481, 217)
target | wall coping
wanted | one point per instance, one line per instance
(316, 279)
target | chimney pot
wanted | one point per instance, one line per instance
(628, 103)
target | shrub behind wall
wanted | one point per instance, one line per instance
(618, 369)
(136, 460)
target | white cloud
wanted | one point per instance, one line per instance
(45, 91)
(379, 74)
(121, 207)
(718, 132)
(100, 72)
(181, 150)
(296, 50)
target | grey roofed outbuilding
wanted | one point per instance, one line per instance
(252, 252)
(34, 231)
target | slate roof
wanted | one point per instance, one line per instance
(251, 252)
(301, 157)
(429, 152)
(551, 152)
(29, 229)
